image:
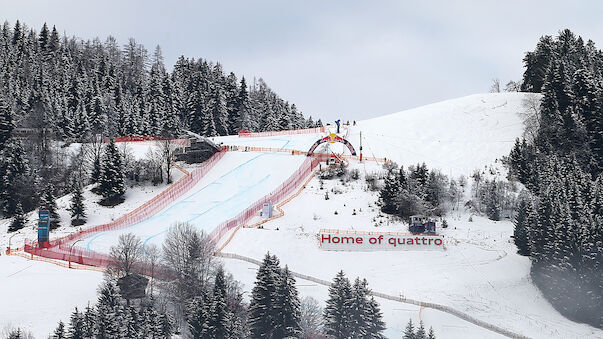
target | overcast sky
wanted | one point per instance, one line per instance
(348, 59)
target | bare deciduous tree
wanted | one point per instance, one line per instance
(125, 255)
(166, 147)
(93, 151)
(513, 86)
(190, 254)
(531, 116)
(495, 88)
(152, 255)
(311, 321)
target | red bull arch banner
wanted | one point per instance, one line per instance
(340, 240)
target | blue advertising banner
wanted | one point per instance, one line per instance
(43, 226)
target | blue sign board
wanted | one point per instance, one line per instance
(43, 226)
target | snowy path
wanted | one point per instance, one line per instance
(236, 182)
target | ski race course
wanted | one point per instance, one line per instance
(233, 184)
(477, 288)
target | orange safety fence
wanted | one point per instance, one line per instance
(257, 224)
(354, 232)
(61, 248)
(246, 134)
(321, 156)
(138, 138)
(277, 195)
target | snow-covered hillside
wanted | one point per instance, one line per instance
(479, 273)
(457, 136)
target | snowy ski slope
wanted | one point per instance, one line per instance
(236, 181)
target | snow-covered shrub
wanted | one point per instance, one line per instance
(354, 174)
(372, 181)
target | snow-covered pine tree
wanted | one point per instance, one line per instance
(431, 334)
(108, 312)
(59, 332)
(269, 120)
(76, 325)
(209, 120)
(166, 325)
(337, 310)
(111, 185)
(287, 306)
(375, 322)
(298, 118)
(81, 124)
(522, 228)
(6, 123)
(310, 123)
(171, 123)
(244, 109)
(219, 313)
(49, 203)
(420, 174)
(13, 167)
(536, 63)
(420, 334)
(409, 331)
(196, 118)
(493, 209)
(77, 208)
(198, 316)
(156, 108)
(286, 119)
(263, 316)
(390, 191)
(19, 219)
(131, 323)
(89, 319)
(587, 107)
(98, 113)
(220, 111)
(359, 309)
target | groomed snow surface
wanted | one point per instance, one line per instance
(233, 184)
(479, 273)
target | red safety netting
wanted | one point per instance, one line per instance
(63, 249)
(137, 138)
(60, 248)
(277, 195)
(246, 134)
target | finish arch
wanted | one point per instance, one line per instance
(331, 138)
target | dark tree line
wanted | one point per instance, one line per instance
(495, 198)
(77, 88)
(351, 312)
(417, 191)
(201, 300)
(57, 89)
(113, 318)
(198, 300)
(558, 224)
